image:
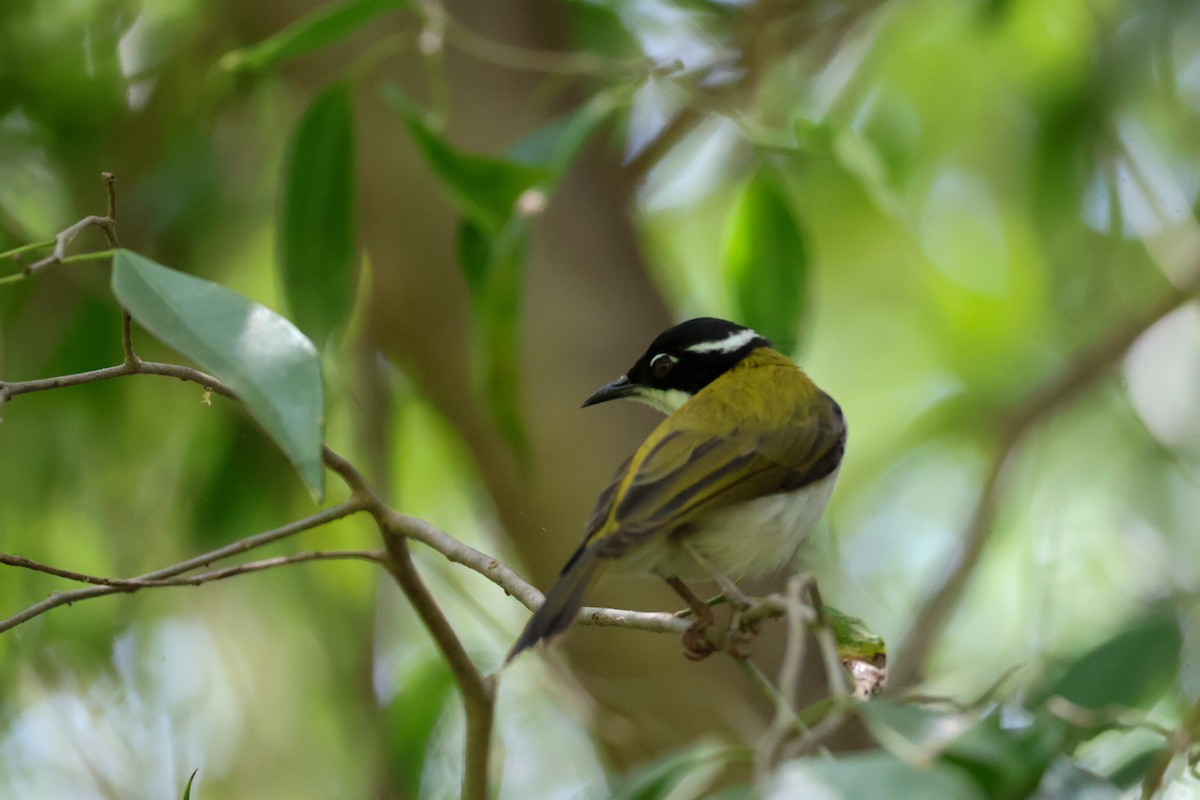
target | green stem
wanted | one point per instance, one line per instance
(96, 256)
(20, 276)
(25, 248)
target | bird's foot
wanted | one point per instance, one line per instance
(742, 633)
(696, 644)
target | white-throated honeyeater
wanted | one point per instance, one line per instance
(728, 485)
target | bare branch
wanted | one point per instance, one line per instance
(57, 599)
(1180, 741)
(835, 672)
(784, 720)
(108, 224)
(525, 59)
(110, 182)
(129, 585)
(479, 692)
(64, 238)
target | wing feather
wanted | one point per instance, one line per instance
(683, 472)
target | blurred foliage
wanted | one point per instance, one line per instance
(936, 205)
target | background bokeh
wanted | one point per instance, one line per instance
(944, 204)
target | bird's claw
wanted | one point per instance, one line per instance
(742, 635)
(696, 645)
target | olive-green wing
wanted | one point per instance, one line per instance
(688, 473)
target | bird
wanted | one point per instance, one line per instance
(727, 487)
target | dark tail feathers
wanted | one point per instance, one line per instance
(562, 603)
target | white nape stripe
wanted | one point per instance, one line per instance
(732, 342)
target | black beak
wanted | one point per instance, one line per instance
(621, 387)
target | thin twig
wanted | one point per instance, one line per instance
(375, 556)
(128, 585)
(26, 248)
(412, 527)
(525, 59)
(110, 182)
(835, 672)
(1181, 740)
(789, 676)
(57, 599)
(478, 691)
(64, 238)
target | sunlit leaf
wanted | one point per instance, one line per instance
(483, 188)
(913, 732)
(1066, 780)
(556, 144)
(1130, 669)
(765, 259)
(316, 246)
(662, 778)
(271, 366)
(320, 28)
(864, 775)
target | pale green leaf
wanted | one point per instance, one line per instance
(271, 366)
(766, 259)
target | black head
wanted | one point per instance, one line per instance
(682, 361)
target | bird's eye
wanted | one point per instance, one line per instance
(661, 365)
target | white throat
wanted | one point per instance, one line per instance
(667, 401)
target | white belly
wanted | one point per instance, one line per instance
(753, 539)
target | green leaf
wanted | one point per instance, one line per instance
(663, 778)
(867, 775)
(855, 640)
(484, 189)
(266, 360)
(492, 239)
(316, 247)
(765, 258)
(495, 270)
(424, 688)
(320, 28)
(1008, 763)
(597, 27)
(1131, 669)
(1005, 763)
(1066, 780)
(556, 144)
(912, 732)
(187, 790)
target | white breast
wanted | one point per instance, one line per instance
(752, 539)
